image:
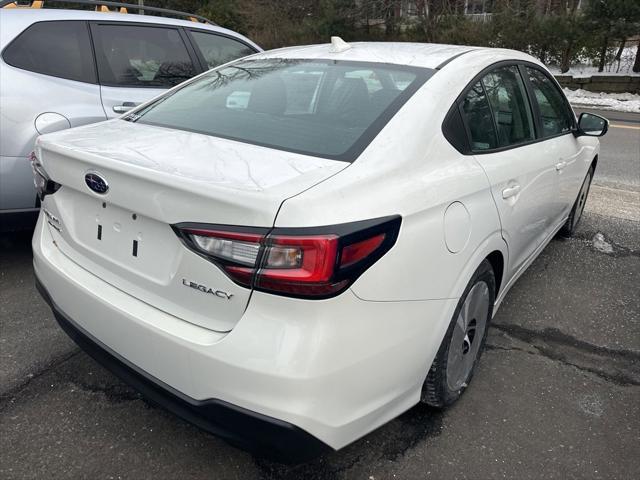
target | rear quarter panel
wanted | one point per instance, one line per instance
(25, 95)
(410, 169)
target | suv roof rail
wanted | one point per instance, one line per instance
(121, 7)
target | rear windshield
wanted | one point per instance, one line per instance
(331, 109)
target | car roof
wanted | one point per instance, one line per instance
(15, 20)
(425, 55)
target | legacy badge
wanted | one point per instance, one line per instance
(205, 289)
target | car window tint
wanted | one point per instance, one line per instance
(400, 80)
(511, 112)
(321, 108)
(218, 50)
(303, 87)
(556, 116)
(370, 78)
(477, 115)
(135, 56)
(61, 49)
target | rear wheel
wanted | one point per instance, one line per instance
(569, 228)
(464, 341)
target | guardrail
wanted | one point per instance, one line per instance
(601, 83)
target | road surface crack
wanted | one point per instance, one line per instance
(115, 393)
(13, 391)
(618, 366)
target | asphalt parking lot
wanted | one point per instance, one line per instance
(557, 393)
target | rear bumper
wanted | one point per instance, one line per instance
(323, 373)
(249, 430)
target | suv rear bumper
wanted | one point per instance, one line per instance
(248, 430)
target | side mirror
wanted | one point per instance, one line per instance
(592, 125)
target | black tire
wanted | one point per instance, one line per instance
(436, 390)
(571, 225)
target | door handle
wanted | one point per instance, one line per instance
(560, 165)
(510, 191)
(124, 108)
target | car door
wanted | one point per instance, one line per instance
(556, 126)
(521, 172)
(136, 62)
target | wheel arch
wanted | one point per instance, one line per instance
(496, 259)
(493, 249)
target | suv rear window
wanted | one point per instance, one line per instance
(218, 49)
(60, 49)
(330, 109)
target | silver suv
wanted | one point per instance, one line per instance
(64, 68)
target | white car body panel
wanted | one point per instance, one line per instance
(528, 216)
(339, 367)
(238, 184)
(278, 365)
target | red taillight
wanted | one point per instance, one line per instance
(311, 275)
(307, 263)
(357, 251)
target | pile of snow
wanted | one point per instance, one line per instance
(622, 102)
(585, 71)
(600, 244)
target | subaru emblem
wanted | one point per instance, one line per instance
(96, 183)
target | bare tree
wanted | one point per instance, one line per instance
(430, 12)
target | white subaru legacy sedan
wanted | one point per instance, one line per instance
(294, 248)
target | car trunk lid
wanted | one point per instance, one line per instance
(156, 178)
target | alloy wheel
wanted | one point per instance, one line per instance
(467, 336)
(582, 199)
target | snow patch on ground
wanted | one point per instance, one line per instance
(600, 244)
(621, 102)
(585, 68)
(585, 71)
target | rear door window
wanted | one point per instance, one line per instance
(556, 116)
(477, 115)
(510, 107)
(141, 56)
(60, 49)
(218, 49)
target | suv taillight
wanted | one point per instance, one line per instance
(299, 262)
(44, 185)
